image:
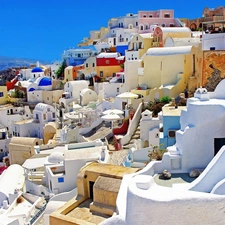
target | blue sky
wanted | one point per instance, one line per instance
(42, 29)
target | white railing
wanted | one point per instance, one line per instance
(132, 126)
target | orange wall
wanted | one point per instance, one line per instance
(215, 59)
(75, 69)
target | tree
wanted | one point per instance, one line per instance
(60, 72)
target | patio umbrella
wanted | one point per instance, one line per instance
(127, 96)
(112, 117)
(113, 111)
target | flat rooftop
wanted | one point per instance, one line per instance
(178, 178)
(172, 111)
(83, 212)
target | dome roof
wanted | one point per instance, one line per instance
(31, 89)
(36, 70)
(56, 157)
(45, 81)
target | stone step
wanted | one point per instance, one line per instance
(136, 136)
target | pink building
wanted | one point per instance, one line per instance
(148, 20)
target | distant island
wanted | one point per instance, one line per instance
(12, 62)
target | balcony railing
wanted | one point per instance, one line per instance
(155, 44)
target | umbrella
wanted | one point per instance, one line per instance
(127, 95)
(113, 111)
(111, 117)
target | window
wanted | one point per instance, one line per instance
(150, 15)
(166, 15)
(144, 16)
(1, 94)
(37, 116)
(93, 64)
(141, 27)
(86, 65)
(44, 116)
(171, 133)
(60, 179)
(101, 73)
(107, 61)
(136, 23)
(136, 38)
(48, 109)
(53, 115)
(118, 90)
(163, 25)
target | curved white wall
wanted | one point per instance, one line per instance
(12, 178)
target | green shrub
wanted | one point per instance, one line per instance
(165, 99)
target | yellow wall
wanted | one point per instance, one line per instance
(89, 66)
(19, 152)
(146, 43)
(50, 97)
(3, 99)
(68, 74)
(141, 92)
(108, 70)
(172, 70)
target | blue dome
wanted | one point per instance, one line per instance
(36, 70)
(45, 81)
(31, 89)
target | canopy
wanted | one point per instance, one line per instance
(34, 163)
(113, 111)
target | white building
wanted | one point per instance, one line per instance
(87, 95)
(72, 91)
(202, 123)
(61, 166)
(42, 114)
(11, 114)
(54, 67)
(149, 129)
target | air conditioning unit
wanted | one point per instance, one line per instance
(172, 133)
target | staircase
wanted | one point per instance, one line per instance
(134, 137)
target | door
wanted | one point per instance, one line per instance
(218, 144)
(91, 186)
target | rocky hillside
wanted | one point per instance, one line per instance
(11, 62)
